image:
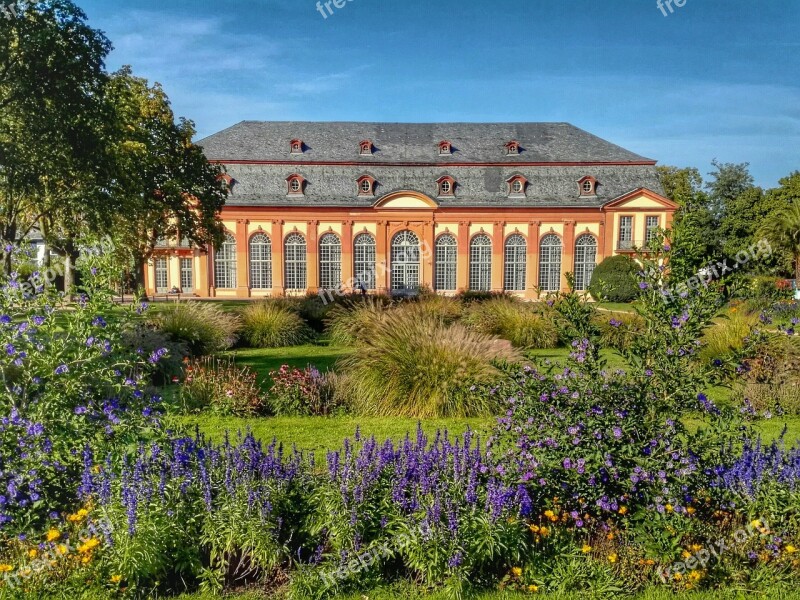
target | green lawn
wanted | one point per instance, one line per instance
(321, 355)
(320, 434)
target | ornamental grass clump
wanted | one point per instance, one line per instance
(204, 327)
(525, 325)
(353, 321)
(423, 368)
(270, 324)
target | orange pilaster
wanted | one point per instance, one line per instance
(426, 256)
(347, 255)
(532, 264)
(277, 258)
(568, 261)
(462, 271)
(382, 280)
(498, 259)
(201, 286)
(242, 259)
(312, 250)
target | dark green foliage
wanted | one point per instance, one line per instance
(614, 280)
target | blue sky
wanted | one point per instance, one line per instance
(713, 79)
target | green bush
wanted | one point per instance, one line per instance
(525, 325)
(614, 280)
(271, 324)
(205, 327)
(423, 368)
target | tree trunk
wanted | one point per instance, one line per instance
(139, 264)
(797, 269)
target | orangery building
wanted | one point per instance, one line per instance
(393, 207)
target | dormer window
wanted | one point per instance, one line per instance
(517, 185)
(297, 146)
(447, 186)
(366, 147)
(445, 148)
(512, 147)
(296, 184)
(588, 186)
(366, 186)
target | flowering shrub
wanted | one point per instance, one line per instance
(66, 381)
(220, 386)
(298, 392)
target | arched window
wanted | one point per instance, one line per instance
(295, 262)
(550, 263)
(446, 263)
(515, 263)
(260, 262)
(364, 258)
(225, 264)
(405, 262)
(585, 260)
(480, 263)
(330, 262)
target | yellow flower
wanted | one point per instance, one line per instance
(88, 546)
(790, 549)
(533, 588)
(668, 507)
(516, 571)
(612, 558)
(6, 568)
(691, 510)
(33, 553)
(755, 524)
(696, 547)
(544, 531)
(86, 559)
(677, 576)
(534, 528)
(62, 549)
(116, 578)
(586, 549)
(610, 536)
(685, 554)
(623, 510)
(695, 576)
(549, 514)
(53, 535)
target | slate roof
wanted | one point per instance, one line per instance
(413, 142)
(407, 157)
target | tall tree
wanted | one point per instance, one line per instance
(693, 231)
(782, 225)
(728, 182)
(165, 186)
(52, 166)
